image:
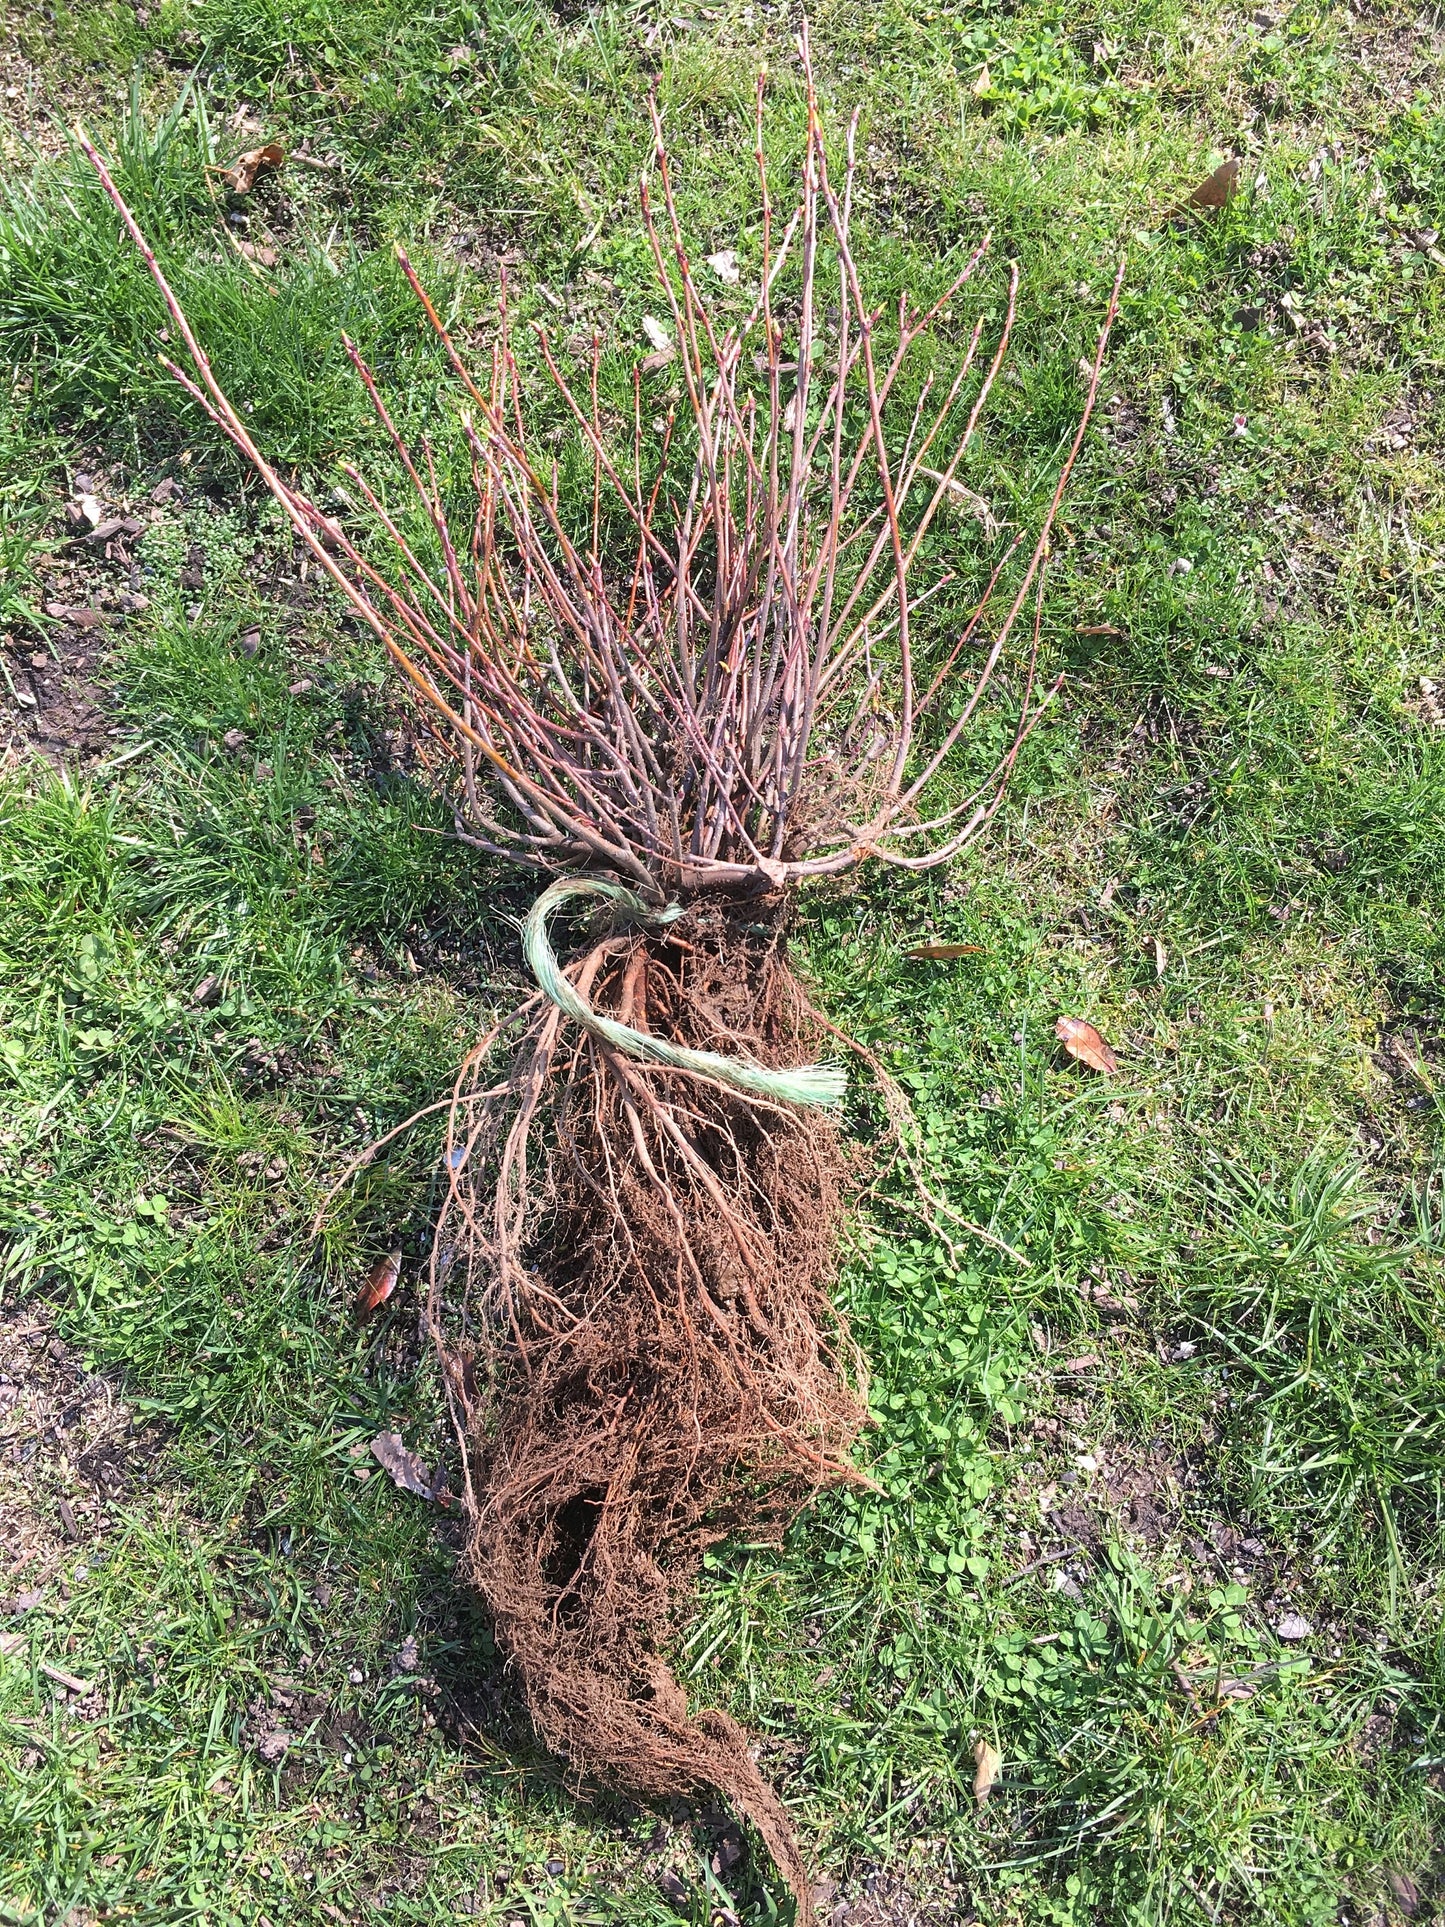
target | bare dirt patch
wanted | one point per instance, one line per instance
(57, 703)
(70, 1451)
(55, 694)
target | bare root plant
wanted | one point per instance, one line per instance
(684, 701)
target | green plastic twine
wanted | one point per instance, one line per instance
(810, 1084)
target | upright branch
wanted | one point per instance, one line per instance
(728, 695)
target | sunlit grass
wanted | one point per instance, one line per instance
(1226, 850)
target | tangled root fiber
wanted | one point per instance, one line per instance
(645, 1359)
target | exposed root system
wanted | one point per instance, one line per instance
(705, 677)
(644, 1358)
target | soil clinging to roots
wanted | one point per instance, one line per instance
(644, 1358)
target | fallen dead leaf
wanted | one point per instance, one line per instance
(1113, 1304)
(110, 528)
(945, 950)
(380, 1284)
(1406, 1893)
(1234, 1689)
(77, 618)
(657, 336)
(965, 499)
(1217, 190)
(258, 252)
(408, 1470)
(725, 266)
(244, 172)
(1080, 1039)
(988, 1764)
(729, 1853)
(1097, 629)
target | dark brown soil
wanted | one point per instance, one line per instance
(70, 1450)
(55, 692)
(56, 701)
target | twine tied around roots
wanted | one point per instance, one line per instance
(809, 1084)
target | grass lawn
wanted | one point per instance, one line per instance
(1159, 1507)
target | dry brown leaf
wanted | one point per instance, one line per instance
(1080, 1039)
(1218, 189)
(1406, 1893)
(244, 172)
(380, 1284)
(409, 1471)
(1234, 1689)
(988, 1762)
(945, 950)
(1113, 1304)
(258, 252)
(966, 500)
(1097, 629)
(77, 618)
(110, 528)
